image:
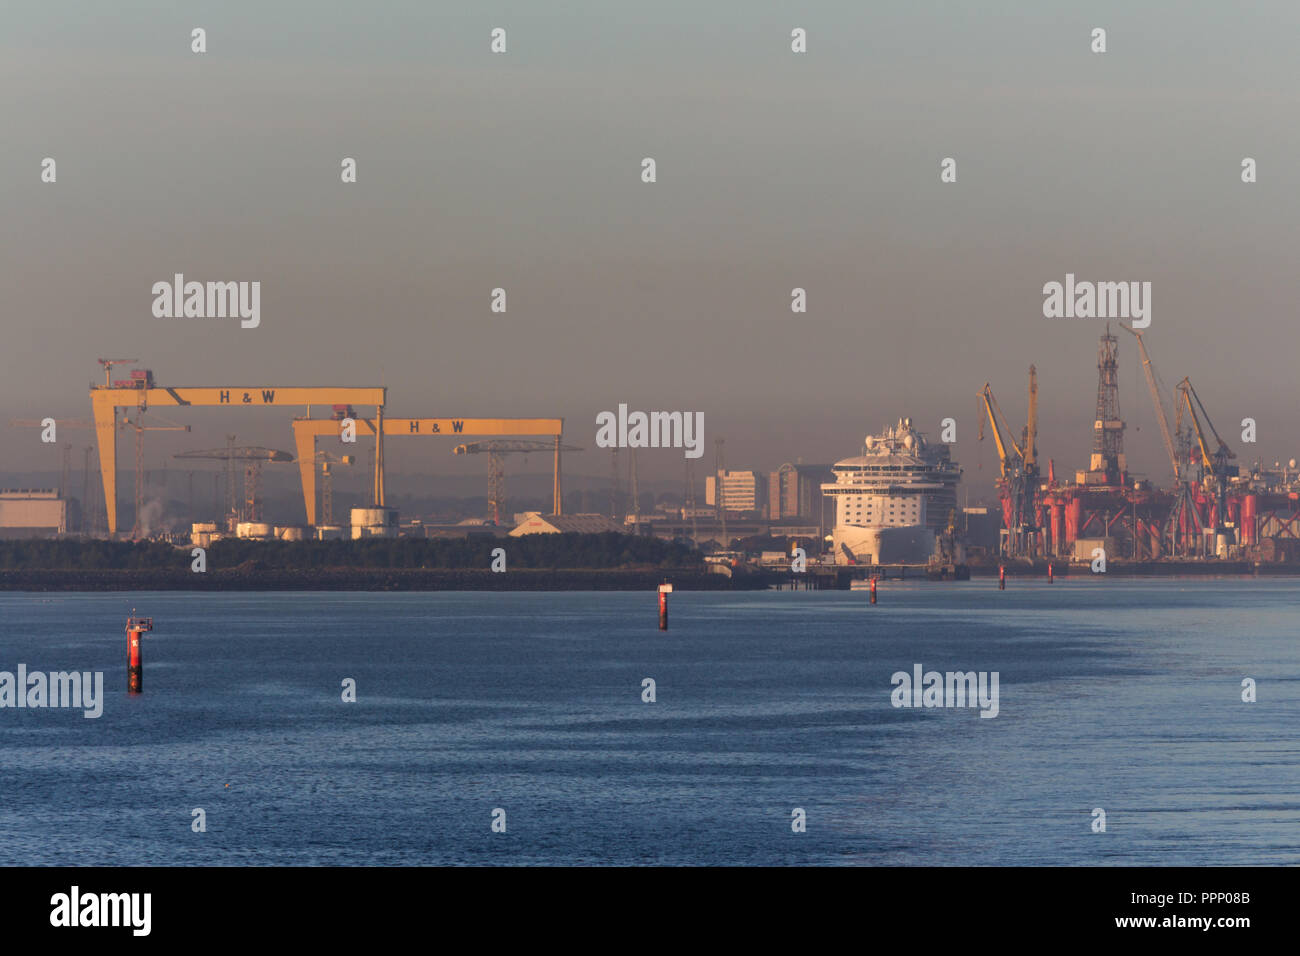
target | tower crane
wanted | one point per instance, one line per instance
(325, 460)
(496, 452)
(992, 412)
(615, 487)
(720, 469)
(140, 429)
(636, 491)
(1018, 465)
(66, 450)
(1157, 400)
(1184, 513)
(1217, 463)
(253, 457)
(688, 503)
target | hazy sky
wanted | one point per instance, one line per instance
(775, 170)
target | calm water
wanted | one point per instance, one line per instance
(1120, 695)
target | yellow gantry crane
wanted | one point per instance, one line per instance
(306, 431)
(142, 393)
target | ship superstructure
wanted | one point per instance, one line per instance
(891, 500)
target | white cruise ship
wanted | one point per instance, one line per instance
(892, 499)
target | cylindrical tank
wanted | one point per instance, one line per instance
(374, 522)
(290, 533)
(253, 529)
(1073, 517)
(329, 532)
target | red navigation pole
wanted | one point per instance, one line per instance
(665, 589)
(135, 628)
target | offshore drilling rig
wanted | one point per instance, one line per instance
(1211, 511)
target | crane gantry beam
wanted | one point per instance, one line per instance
(105, 401)
(307, 430)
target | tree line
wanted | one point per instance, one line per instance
(550, 551)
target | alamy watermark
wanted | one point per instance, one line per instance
(651, 430)
(75, 908)
(950, 689)
(179, 299)
(1098, 300)
(56, 689)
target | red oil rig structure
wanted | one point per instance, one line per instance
(1211, 512)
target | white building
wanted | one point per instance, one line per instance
(742, 491)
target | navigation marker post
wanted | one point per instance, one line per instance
(665, 589)
(136, 627)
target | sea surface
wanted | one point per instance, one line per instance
(1114, 694)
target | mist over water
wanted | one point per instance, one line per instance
(1122, 695)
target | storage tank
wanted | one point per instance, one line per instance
(329, 532)
(253, 529)
(1248, 506)
(290, 533)
(203, 533)
(374, 523)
